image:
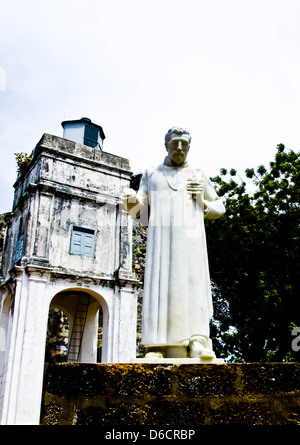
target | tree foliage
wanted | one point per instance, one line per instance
(255, 261)
(2, 232)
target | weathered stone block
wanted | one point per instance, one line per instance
(151, 394)
(263, 379)
(210, 380)
(175, 412)
(124, 413)
(241, 413)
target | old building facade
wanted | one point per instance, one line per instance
(68, 245)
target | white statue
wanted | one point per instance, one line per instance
(177, 301)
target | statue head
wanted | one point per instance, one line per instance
(177, 142)
(176, 131)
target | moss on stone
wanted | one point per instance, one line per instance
(151, 394)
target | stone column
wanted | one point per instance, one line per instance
(23, 377)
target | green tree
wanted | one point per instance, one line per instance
(255, 261)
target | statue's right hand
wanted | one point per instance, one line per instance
(128, 193)
(129, 199)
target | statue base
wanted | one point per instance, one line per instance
(178, 361)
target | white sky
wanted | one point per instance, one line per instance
(227, 70)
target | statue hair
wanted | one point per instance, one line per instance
(176, 130)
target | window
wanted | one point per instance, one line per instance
(90, 136)
(19, 248)
(82, 242)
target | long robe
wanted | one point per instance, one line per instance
(177, 301)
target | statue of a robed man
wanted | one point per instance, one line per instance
(177, 301)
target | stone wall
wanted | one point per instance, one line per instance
(151, 394)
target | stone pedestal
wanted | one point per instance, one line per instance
(172, 394)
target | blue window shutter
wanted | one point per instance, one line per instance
(88, 244)
(90, 136)
(19, 248)
(82, 242)
(76, 243)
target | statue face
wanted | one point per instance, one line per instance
(178, 148)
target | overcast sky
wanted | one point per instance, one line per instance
(227, 70)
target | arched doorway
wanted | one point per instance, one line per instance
(4, 331)
(75, 327)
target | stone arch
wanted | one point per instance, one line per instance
(66, 300)
(4, 329)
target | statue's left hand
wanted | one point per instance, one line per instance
(194, 185)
